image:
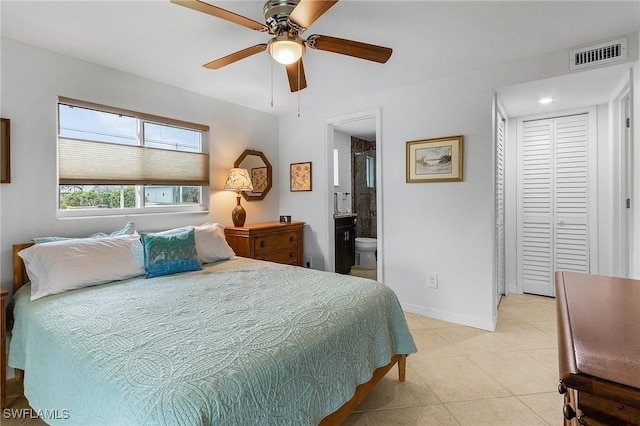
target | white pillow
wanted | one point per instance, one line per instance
(210, 241)
(128, 229)
(60, 266)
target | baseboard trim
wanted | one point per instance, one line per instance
(488, 325)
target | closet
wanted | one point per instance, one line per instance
(553, 199)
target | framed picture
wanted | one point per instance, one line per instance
(259, 179)
(5, 151)
(435, 160)
(300, 176)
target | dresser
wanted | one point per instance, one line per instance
(272, 241)
(599, 348)
(3, 354)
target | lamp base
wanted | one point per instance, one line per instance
(238, 215)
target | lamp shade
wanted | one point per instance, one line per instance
(286, 49)
(238, 180)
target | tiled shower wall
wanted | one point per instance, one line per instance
(363, 197)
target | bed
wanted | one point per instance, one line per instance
(238, 342)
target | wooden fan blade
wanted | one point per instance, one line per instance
(234, 57)
(292, 73)
(307, 11)
(218, 12)
(370, 52)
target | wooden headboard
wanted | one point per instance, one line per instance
(20, 276)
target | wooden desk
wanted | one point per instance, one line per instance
(599, 348)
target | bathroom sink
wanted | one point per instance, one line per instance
(340, 215)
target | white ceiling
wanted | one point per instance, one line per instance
(586, 88)
(168, 43)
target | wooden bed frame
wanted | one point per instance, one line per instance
(20, 278)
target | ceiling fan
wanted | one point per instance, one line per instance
(286, 20)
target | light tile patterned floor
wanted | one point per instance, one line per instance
(372, 274)
(465, 376)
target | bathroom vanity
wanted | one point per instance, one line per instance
(345, 241)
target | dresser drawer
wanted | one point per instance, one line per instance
(283, 256)
(267, 243)
(610, 411)
(271, 241)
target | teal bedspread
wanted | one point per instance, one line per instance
(241, 342)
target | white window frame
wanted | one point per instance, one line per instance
(203, 208)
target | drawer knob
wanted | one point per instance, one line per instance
(291, 239)
(263, 243)
(292, 255)
(569, 413)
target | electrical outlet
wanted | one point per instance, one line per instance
(432, 280)
(308, 263)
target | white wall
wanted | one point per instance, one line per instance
(604, 194)
(446, 228)
(31, 81)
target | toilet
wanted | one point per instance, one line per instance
(366, 252)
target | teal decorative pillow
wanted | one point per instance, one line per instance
(170, 254)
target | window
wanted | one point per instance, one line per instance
(111, 159)
(336, 168)
(370, 171)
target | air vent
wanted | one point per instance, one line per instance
(598, 54)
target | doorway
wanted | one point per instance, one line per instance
(571, 92)
(364, 125)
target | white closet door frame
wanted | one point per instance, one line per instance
(592, 190)
(621, 166)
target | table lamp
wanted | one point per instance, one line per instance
(238, 180)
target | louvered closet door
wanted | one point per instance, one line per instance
(571, 243)
(536, 229)
(553, 201)
(500, 257)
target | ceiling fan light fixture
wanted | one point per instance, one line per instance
(286, 49)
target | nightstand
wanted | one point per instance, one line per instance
(3, 354)
(272, 241)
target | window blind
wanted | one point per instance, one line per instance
(100, 163)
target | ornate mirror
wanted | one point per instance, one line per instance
(260, 171)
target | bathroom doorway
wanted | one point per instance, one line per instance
(354, 170)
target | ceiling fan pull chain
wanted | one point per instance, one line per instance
(271, 83)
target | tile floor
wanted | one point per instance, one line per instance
(462, 375)
(364, 272)
(466, 376)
